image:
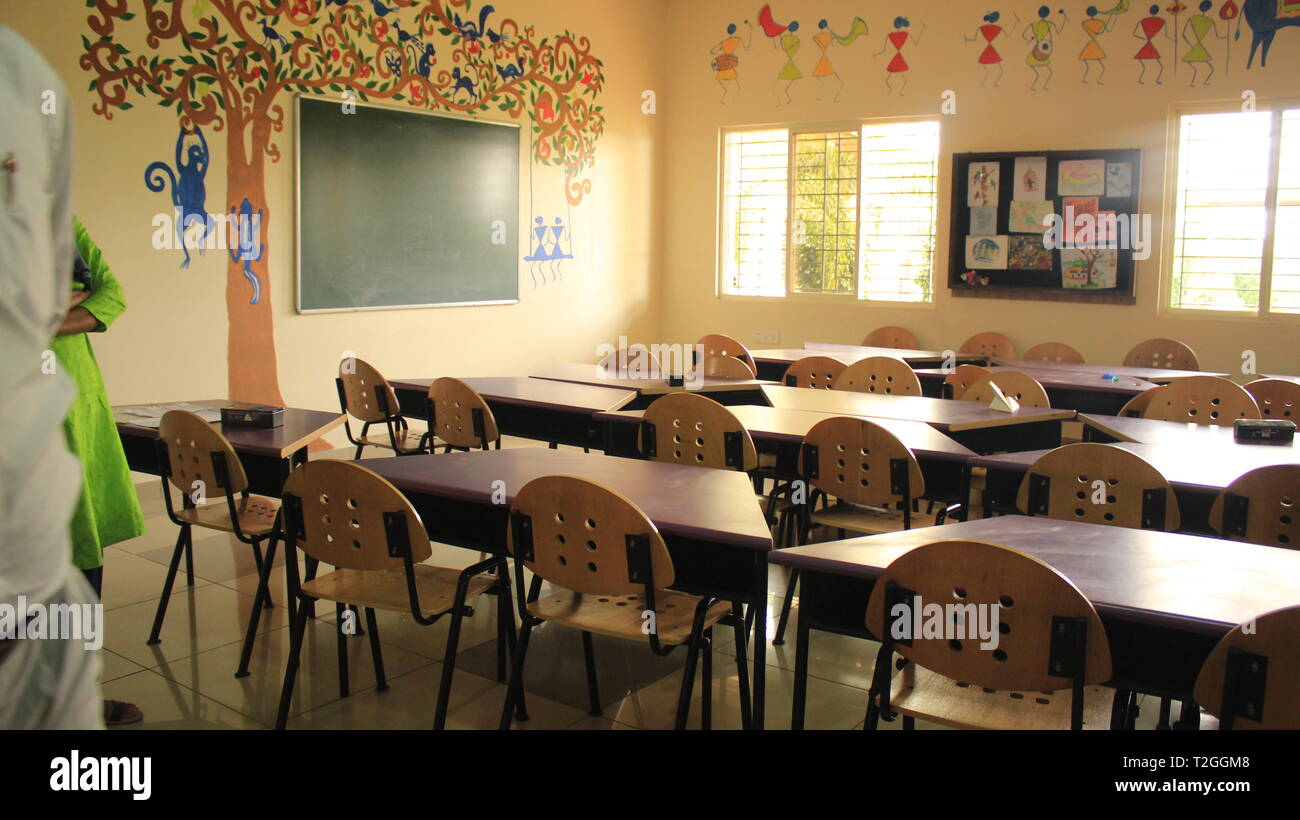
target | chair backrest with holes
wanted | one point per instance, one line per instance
(340, 507)
(716, 344)
(965, 377)
(980, 580)
(861, 462)
(1099, 484)
(1054, 352)
(454, 405)
(1019, 386)
(726, 367)
(636, 359)
(1138, 405)
(1261, 507)
(899, 338)
(880, 374)
(578, 532)
(687, 428)
(1207, 400)
(362, 388)
(191, 443)
(818, 372)
(989, 344)
(1277, 398)
(1273, 637)
(1167, 353)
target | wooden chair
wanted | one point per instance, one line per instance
(818, 372)
(966, 376)
(1277, 398)
(1261, 507)
(1207, 400)
(894, 337)
(340, 513)
(1019, 386)
(726, 367)
(1054, 352)
(1099, 484)
(200, 463)
(609, 573)
(989, 345)
(460, 417)
(1251, 678)
(637, 359)
(1138, 405)
(717, 345)
(1167, 353)
(687, 428)
(873, 479)
(880, 374)
(1052, 652)
(366, 396)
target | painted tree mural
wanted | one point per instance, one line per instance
(231, 65)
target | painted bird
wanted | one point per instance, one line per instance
(380, 8)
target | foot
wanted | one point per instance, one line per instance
(120, 713)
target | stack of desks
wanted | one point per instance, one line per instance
(1165, 599)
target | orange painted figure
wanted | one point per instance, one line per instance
(825, 39)
(1092, 52)
(725, 62)
(990, 57)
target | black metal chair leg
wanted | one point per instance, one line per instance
(189, 556)
(167, 587)
(513, 690)
(381, 682)
(503, 604)
(706, 681)
(448, 668)
(291, 668)
(1166, 706)
(259, 561)
(688, 683)
(909, 723)
(342, 641)
(593, 688)
(263, 594)
(786, 606)
(742, 666)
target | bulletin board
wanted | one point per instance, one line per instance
(1000, 247)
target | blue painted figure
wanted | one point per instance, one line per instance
(189, 193)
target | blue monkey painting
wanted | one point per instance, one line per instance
(248, 248)
(189, 193)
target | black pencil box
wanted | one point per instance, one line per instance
(1264, 431)
(252, 415)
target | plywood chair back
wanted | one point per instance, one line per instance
(1251, 678)
(367, 394)
(587, 538)
(989, 345)
(1261, 506)
(1020, 386)
(636, 359)
(1167, 353)
(726, 367)
(860, 462)
(1207, 400)
(1038, 610)
(459, 416)
(194, 449)
(819, 372)
(342, 514)
(1277, 398)
(1054, 352)
(1099, 484)
(1138, 405)
(716, 344)
(880, 374)
(899, 338)
(964, 378)
(687, 428)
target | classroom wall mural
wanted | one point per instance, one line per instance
(1151, 42)
(234, 64)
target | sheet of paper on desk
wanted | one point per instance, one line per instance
(151, 415)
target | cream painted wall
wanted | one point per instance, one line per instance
(1120, 114)
(171, 343)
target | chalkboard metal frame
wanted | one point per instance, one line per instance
(297, 202)
(1125, 292)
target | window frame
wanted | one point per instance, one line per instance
(1169, 214)
(802, 127)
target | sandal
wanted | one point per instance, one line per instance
(120, 713)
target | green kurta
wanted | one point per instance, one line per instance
(109, 510)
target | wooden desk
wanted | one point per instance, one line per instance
(551, 411)
(772, 364)
(723, 391)
(1109, 429)
(1156, 375)
(968, 423)
(712, 523)
(1071, 390)
(1198, 462)
(1166, 599)
(268, 455)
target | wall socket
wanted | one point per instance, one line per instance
(767, 337)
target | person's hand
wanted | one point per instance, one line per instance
(78, 296)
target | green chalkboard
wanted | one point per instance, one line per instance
(400, 209)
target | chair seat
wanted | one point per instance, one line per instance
(386, 589)
(619, 616)
(256, 515)
(938, 699)
(869, 520)
(406, 439)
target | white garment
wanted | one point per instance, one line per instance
(39, 478)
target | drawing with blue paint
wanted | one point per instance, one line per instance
(189, 192)
(248, 247)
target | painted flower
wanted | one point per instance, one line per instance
(1175, 8)
(381, 28)
(1229, 11)
(334, 54)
